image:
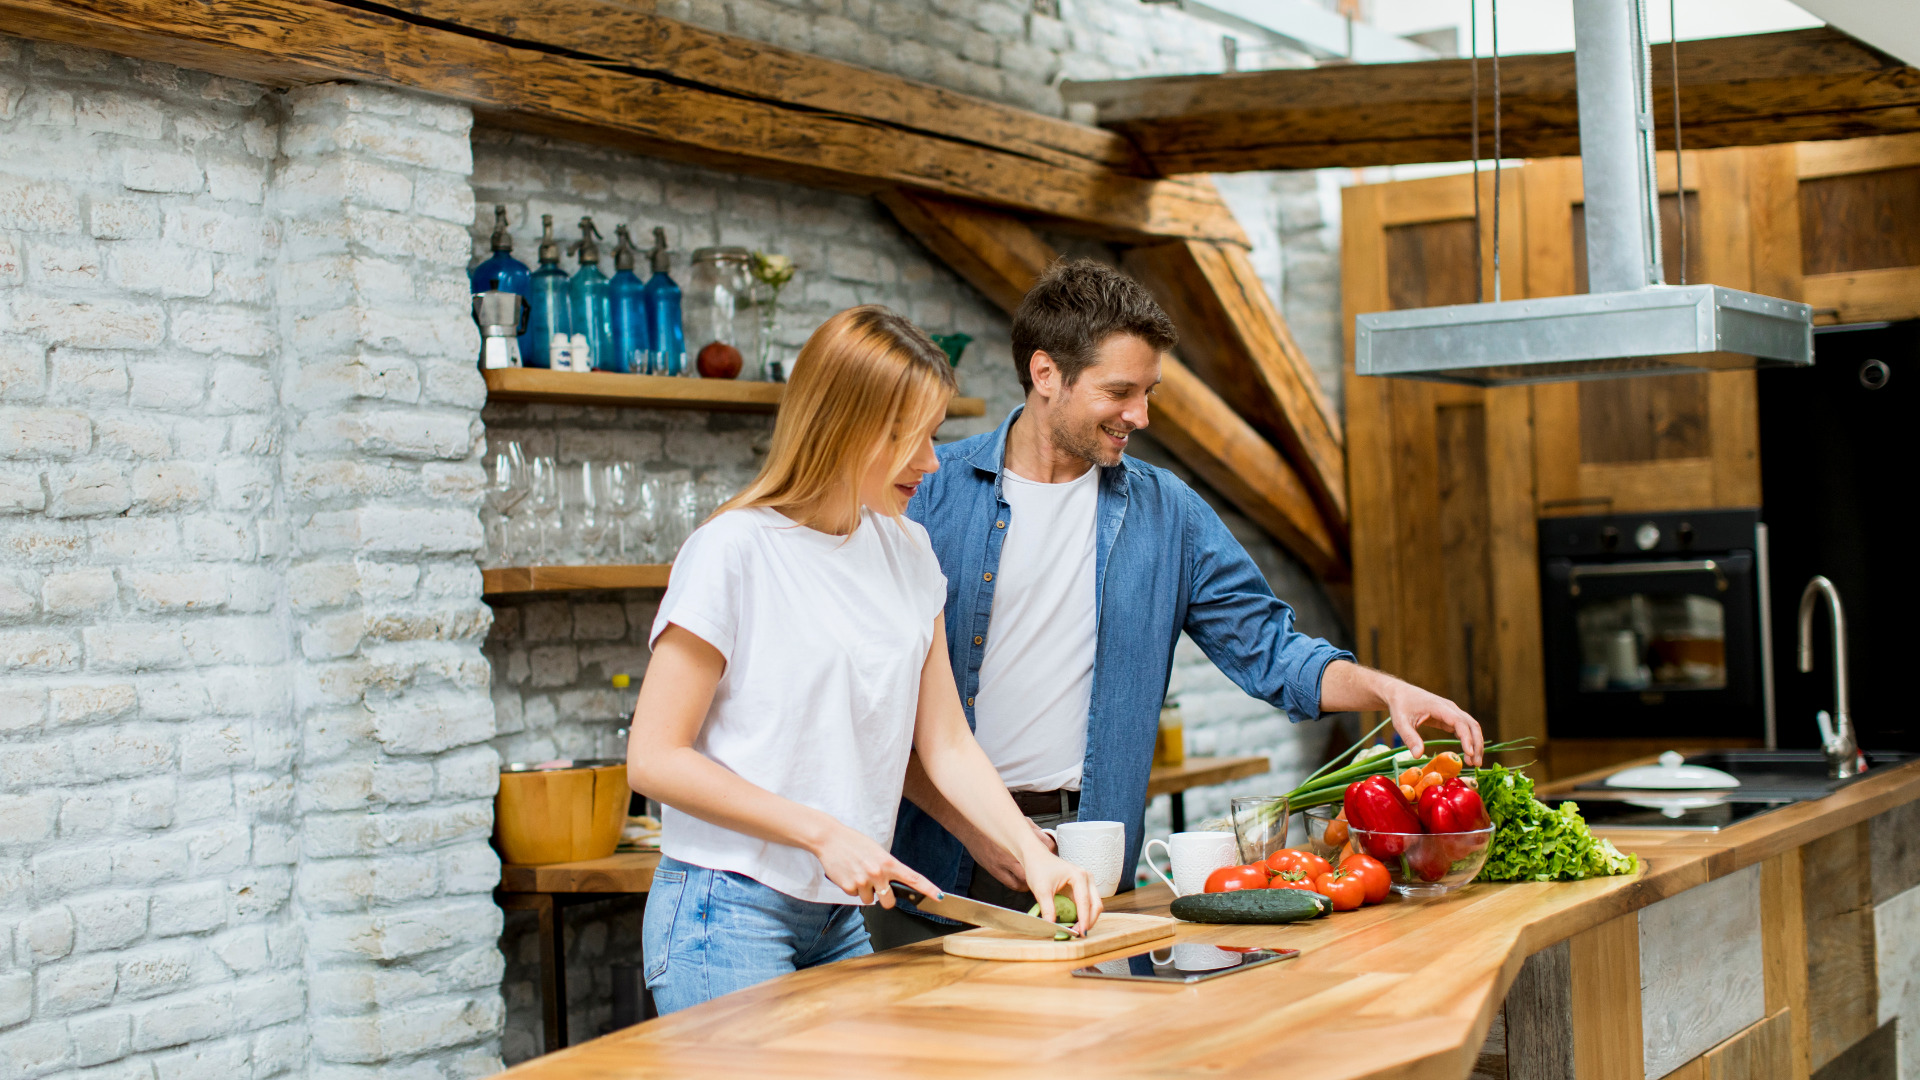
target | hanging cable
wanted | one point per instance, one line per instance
(1679, 170)
(1473, 47)
(1495, 10)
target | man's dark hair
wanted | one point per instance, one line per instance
(1076, 305)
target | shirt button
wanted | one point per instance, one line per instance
(978, 639)
(969, 703)
(987, 576)
(999, 524)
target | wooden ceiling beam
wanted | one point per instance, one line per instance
(1240, 345)
(1001, 256)
(1759, 89)
(600, 71)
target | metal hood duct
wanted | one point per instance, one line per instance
(1630, 323)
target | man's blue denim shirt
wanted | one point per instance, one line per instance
(1165, 563)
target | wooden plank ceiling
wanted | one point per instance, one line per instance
(599, 71)
(1001, 256)
(1735, 91)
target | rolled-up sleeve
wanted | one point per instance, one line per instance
(1243, 628)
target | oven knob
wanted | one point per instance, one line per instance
(1609, 538)
(1646, 536)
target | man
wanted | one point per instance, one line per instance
(1071, 572)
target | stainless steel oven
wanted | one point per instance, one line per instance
(1654, 625)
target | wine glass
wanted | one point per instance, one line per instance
(618, 492)
(649, 516)
(507, 486)
(712, 491)
(582, 512)
(536, 537)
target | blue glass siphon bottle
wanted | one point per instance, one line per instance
(588, 291)
(547, 296)
(665, 332)
(628, 308)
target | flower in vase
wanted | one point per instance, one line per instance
(773, 271)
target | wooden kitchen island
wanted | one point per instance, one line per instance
(1756, 947)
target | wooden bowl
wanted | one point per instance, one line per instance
(560, 814)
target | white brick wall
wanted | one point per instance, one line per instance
(191, 667)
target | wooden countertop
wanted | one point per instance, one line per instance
(1403, 989)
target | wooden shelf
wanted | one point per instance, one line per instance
(1202, 771)
(653, 391)
(513, 580)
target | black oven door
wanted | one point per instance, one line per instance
(1652, 648)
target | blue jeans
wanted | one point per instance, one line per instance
(711, 932)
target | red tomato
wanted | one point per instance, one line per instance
(1235, 878)
(1430, 859)
(1346, 890)
(1295, 859)
(1292, 879)
(1372, 874)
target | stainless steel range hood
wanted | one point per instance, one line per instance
(1631, 323)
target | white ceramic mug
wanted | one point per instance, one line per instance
(1192, 856)
(1190, 957)
(1098, 847)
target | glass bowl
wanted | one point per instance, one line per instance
(1426, 864)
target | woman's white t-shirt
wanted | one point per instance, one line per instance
(824, 637)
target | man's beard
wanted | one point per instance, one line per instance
(1086, 444)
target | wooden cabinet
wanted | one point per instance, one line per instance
(1441, 477)
(1446, 483)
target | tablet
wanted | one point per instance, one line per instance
(1184, 963)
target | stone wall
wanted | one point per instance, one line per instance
(239, 617)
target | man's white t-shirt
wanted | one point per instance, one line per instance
(1036, 679)
(824, 638)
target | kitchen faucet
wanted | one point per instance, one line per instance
(1844, 758)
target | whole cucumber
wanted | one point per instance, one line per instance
(1252, 906)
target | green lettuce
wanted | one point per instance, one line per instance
(1535, 842)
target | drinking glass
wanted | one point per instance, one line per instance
(506, 489)
(535, 531)
(1259, 825)
(618, 491)
(682, 516)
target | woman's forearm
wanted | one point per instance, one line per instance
(689, 781)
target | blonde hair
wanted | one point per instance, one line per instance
(866, 378)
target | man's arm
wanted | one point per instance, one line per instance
(1249, 634)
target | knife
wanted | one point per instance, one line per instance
(967, 910)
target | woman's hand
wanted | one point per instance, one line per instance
(863, 868)
(1049, 875)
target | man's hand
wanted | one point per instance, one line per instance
(1346, 686)
(1411, 707)
(1004, 865)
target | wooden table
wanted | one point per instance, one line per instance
(1174, 780)
(1403, 989)
(549, 890)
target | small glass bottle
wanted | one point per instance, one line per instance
(547, 296)
(720, 313)
(587, 292)
(501, 271)
(665, 333)
(628, 310)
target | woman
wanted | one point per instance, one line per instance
(799, 656)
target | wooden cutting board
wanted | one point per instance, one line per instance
(1117, 930)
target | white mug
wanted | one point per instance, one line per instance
(1098, 847)
(1192, 856)
(1188, 956)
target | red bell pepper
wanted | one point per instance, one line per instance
(1377, 805)
(1452, 807)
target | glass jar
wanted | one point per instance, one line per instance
(722, 326)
